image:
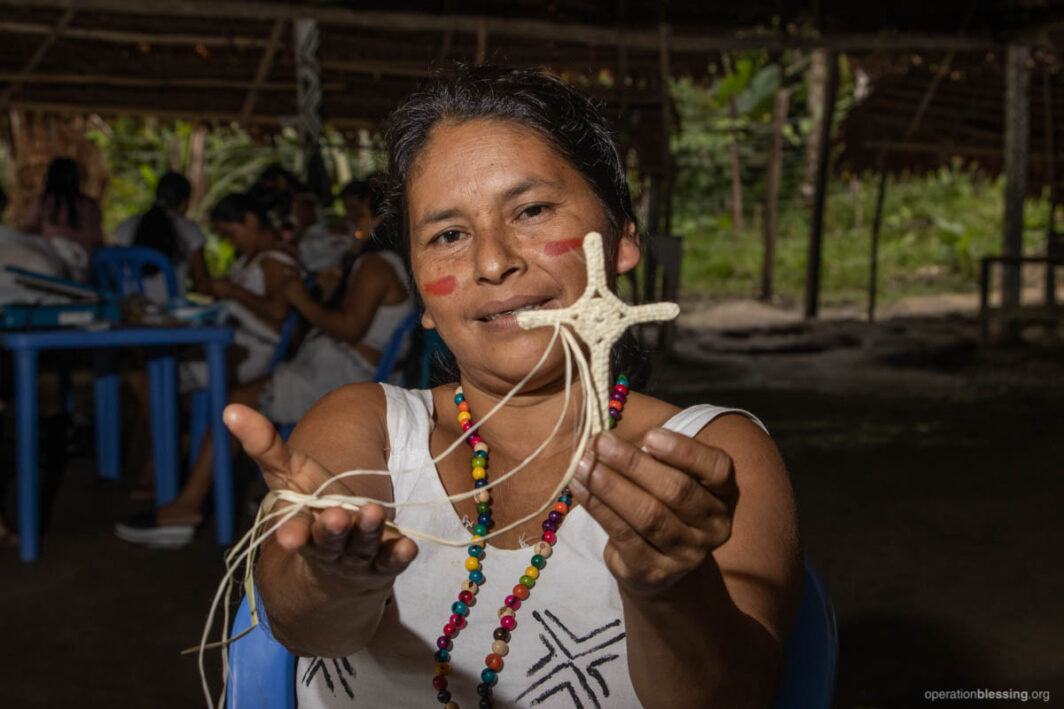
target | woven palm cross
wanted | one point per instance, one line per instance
(599, 318)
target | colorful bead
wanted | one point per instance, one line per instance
(470, 586)
(486, 703)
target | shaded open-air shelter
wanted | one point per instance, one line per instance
(268, 64)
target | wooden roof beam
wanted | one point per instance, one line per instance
(152, 82)
(589, 35)
(122, 37)
(265, 64)
(39, 53)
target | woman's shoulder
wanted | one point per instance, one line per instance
(694, 421)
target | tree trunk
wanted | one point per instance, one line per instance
(736, 173)
(772, 191)
(817, 77)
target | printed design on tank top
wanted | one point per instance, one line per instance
(571, 662)
(319, 666)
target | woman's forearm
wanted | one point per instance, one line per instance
(695, 648)
(267, 308)
(335, 323)
(310, 615)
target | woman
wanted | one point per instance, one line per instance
(687, 590)
(345, 347)
(164, 228)
(68, 219)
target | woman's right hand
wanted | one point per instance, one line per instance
(354, 550)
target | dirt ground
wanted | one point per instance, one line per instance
(928, 474)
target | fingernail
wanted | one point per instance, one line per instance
(659, 441)
(366, 525)
(584, 467)
(578, 490)
(606, 445)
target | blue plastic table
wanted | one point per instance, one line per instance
(161, 344)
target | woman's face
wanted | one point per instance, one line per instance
(496, 220)
(242, 235)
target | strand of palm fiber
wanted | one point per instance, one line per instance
(246, 547)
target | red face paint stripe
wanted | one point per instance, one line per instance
(443, 286)
(557, 248)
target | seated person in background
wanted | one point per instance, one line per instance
(362, 202)
(344, 348)
(164, 228)
(30, 252)
(68, 219)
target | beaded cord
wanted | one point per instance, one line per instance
(542, 551)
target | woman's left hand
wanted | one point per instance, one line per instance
(665, 510)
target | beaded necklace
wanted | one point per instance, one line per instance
(541, 552)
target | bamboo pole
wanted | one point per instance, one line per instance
(38, 54)
(1017, 145)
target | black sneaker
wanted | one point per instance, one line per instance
(143, 528)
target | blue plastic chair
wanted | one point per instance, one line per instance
(262, 673)
(120, 269)
(812, 649)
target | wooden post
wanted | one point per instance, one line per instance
(666, 128)
(263, 70)
(877, 222)
(816, 231)
(1051, 176)
(1017, 146)
(772, 191)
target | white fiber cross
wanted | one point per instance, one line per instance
(598, 318)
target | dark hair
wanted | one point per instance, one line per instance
(156, 228)
(371, 189)
(568, 121)
(63, 185)
(235, 206)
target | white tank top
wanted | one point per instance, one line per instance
(247, 273)
(568, 649)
